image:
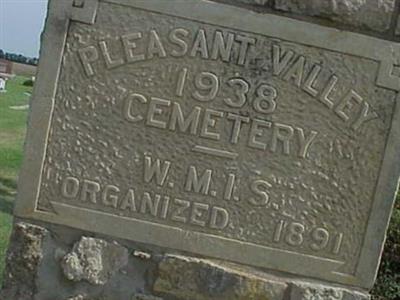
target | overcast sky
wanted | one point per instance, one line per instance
(21, 22)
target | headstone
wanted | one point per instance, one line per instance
(217, 132)
(2, 84)
(5, 73)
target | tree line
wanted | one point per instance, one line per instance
(19, 58)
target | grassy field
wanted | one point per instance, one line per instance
(12, 134)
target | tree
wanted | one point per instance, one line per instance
(19, 58)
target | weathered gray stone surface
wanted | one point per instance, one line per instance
(145, 297)
(291, 186)
(38, 274)
(106, 269)
(397, 29)
(78, 297)
(372, 14)
(269, 179)
(307, 291)
(94, 260)
(254, 2)
(23, 259)
(138, 296)
(196, 279)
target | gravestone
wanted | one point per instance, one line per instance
(5, 73)
(2, 84)
(258, 151)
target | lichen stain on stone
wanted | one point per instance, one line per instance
(94, 260)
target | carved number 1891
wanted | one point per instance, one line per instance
(295, 234)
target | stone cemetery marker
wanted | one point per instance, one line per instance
(260, 140)
(2, 84)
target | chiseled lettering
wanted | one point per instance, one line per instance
(199, 210)
(200, 45)
(128, 107)
(70, 187)
(237, 125)
(256, 131)
(219, 218)
(295, 72)
(364, 116)
(245, 43)
(230, 185)
(129, 46)
(178, 214)
(260, 188)
(89, 190)
(209, 122)
(154, 169)
(176, 37)
(292, 69)
(160, 206)
(178, 120)
(110, 196)
(110, 62)
(280, 60)
(196, 184)
(165, 207)
(154, 110)
(305, 141)
(310, 82)
(155, 47)
(150, 204)
(222, 48)
(128, 202)
(139, 46)
(206, 81)
(265, 101)
(324, 97)
(347, 104)
(88, 55)
(282, 133)
(241, 92)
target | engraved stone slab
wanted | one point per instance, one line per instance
(218, 131)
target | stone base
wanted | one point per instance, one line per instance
(48, 262)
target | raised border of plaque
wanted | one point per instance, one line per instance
(387, 53)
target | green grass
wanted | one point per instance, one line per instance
(12, 134)
(12, 126)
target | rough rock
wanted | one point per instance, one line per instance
(94, 260)
(397, 29)
(85, 297)
(157, 277)
(145, 297)
(305, 291)
(78, 297)
(372, 14)
(353, 295)
(22, 261)
(255, 2)
(302, 291)
(197, 279)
